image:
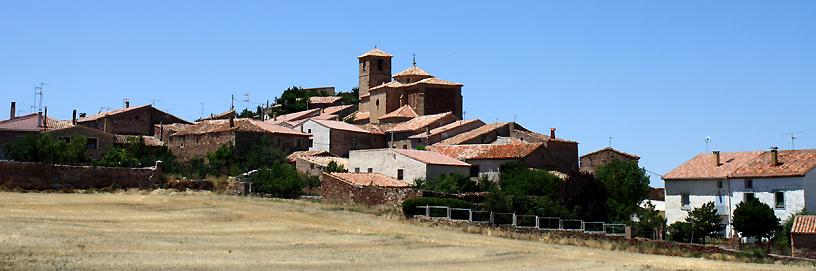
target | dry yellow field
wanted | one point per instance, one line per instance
(210, 232)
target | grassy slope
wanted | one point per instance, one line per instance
(131, 231)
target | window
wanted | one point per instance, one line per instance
(379, 64)
(779, 199)
(405, 147)
(749, 183)
(311, 166)
(685, 201)
(749, 196)
(399, 174)
(719, 184)
(364, 64)
(377, 102)
(91, 143)
(310, 131)
(370, 170)
(474, 171)
(356, 170)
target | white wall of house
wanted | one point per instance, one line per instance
(436, 170)
(321, 135)
(386, 162)
(489, 168)
(798, 191)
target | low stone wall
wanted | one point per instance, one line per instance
(334, 190)
(35, 176)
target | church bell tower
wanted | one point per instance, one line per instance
(375, 69)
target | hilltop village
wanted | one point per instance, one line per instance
(398, 137)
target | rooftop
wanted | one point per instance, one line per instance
(447, 127)
(426, 81)
(325, 160)
(804, 224)
(298, 154)
(792, 163)
(469, 135)
(413, 70)
(403, 112)
(30, 123)
(334, 110)
(612, 150)
(420, 122)
(486, 151)
(339, 125)
(368, 179)
(375, 52)
(242, 125)
(148, 140)
(324, 99)
(295, 116)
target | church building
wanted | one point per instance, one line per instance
(414, 87)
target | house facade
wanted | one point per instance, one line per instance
(405, 165)
(205, 137)
(590, 162)
(785, 180)
(139, 120)
(339, 138)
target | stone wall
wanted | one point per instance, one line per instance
(591, 163)
(343, 141)
(34, 176)
(334, 190)
(803, 245)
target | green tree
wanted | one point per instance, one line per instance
(518, 180)
(118, 157)
(785, 231)
(585, 195)
(43, 148)
(334, 167)
(279, 180)
(649, 222)
(450, 183)
(627, 185)
(351, 97)
(223, 161)
(680, 231)
(753, 218)
(704, 221)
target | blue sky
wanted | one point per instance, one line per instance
(656, 76)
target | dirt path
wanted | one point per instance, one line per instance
(159, 232)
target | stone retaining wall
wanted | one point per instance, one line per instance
(35, 176)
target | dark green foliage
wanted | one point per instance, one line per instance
(334, 167)
(279, 180)
(225, 161)
(519, 180)
(753, 218)
(245, 114)
(294, 99)
(118, 157)
(498, 201)
(680, 231)
(649, 222)
(704, 221)
(541, 206)
(43, 148)
(136, 154)
(350, 97)
(784, 234)
(586, 196)
(409, 206)
(627, 186)
(421, 148)
(450, 183)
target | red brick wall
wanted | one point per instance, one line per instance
(35, 176)
(334, 190)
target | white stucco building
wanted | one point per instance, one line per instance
(406, 165)
(785, 180)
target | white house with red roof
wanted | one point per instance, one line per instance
(783, 179)
(406, 165)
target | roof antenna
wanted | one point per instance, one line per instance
(414, 59)
(707, 140)
(610, 142)
(793, 138)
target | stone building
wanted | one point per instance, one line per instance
(163, 131)
(424, 93)
(139, 120)
(487, 159)
(441, 133)
(98, 143)
(398, 135)
(18, 127)
(339, 138)
(406, 165)
(590, 162)
(207, 136)
(364, 188)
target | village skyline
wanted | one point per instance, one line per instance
(634, 73)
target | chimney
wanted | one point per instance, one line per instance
(73, 117)
(552, 133)
(774, 156)
(428, 130)
(45, 119)
(39, 119)
(232, 121)
(717, 158)
(127, 103)
(13, 110)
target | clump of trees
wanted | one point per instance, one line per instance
(753, 218)
(701, 222)
(44, 148)
(627, 185)
(334, 167)
(281, 180)
(294, 99)
(135, 153)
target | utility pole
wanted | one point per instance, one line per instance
(202, 111)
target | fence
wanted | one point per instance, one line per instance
(523, 221)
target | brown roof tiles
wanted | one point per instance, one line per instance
(486, 151)
(375, 52)
(429, 157)
(745, 165)
(804, 224)
(339, 125)
(403, 112)
(368, 179)
(324, 99)
(420, 122)
(242, 125)
(413, 70)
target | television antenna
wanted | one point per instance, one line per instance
(202, 111)
(38, 97)
(153, 101)
(246, 99)
(793, 138)
(707, 141)
(610, 142)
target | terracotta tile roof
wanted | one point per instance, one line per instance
(361, 115)
(173, 127)
(295, 116)
(804, 224)
(486, 151)
(792, 163)
(531, 136)
(403, 112)
(29, 123)
(472, 134)
(612, 150)
(324, 99)
(112, 112)
(339, 125)
(335, 110)
(298, 154)
(703, 166)
(242, 125)
(375, 52)
(219, 116)
(368, 179)
(426, 81)
(449, 126)
(325, 160)
(421, 122)
(413, 70)
(148, 140)
(325, 117)
(429, 157)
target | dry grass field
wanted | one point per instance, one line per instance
(157, 231)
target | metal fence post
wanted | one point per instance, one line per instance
(491, 218)
(449, 212)
(514, 219)
(470, 215)
(536, 222)
(427, 210)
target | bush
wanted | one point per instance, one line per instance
(753, 218)
(409, 206)
(334, 167)
(450, 183)
(43, 148)
(680, 231)
(280, 180)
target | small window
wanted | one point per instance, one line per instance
(356, 170)
(405, 147)
(779, 199)
(749, 183)
(370, 170)
(379, 64)
(749, 196)
(92, 143)
(719, 184)
(474, 171)
(685, 200)
(399, 174)
(377, 102)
